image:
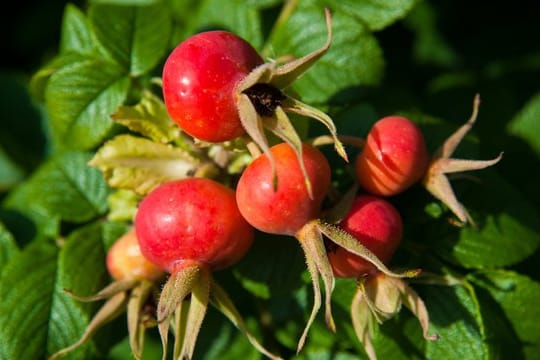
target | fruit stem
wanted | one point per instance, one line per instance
(322, 140)
(252, 147)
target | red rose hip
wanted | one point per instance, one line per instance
(286, 208)
(377, 225)
(199, 78)
(192, 220)
(125, 260)
(393, 158)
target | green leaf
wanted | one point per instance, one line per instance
(64, 188)
(220, 339)
(430, 46)
(10, 173)
(8, 246)
(38, 82)
(76, 33)
(526, 125)
(140, 164)
(26, 288)
(354, 58)
(22, 124)
(400, 338)
(80, 98)
(377, 14)
(455, 316)
(237, 17)
(508, 229)
(516, 294)
(135, 36)
(81, 269)
(262, 272)
(125, 2)
(149, 118)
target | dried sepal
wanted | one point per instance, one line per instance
(112, 308)
(280, 125)
(261, 102)
(363, 322)
(351, 244)
(312, 243)
(285, 74)
(108, 291)
(200, 294)
(300, 108)
(136, 323)
(384, 296)
(378, 298)
(185, 314)
(416, 305)
(436, 181)
(252, 123)
(339, 210)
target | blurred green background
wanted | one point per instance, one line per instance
(437, 59)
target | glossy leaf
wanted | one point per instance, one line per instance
(516, 294)
(76, 32)
(81, 269)
(239, 17)
(525, 124)
(10, 173)
(66, 187)
(80, 98)
(8, 247)
(377, 14)
(136, 36)
(354, 58)
(27, 301)
(455, 316)
(508, 230)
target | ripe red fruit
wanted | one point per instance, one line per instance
(192, 220)
(125, 260)
(377, 225)
(393, 158)
(191, 227)
(286, 208)
(199, 78)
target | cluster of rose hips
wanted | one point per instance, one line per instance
(218, 89)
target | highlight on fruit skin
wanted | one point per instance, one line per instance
(377, 225)
(125, 261)
(374, 223)
(192, 227)
(199, 79)
(135, 281)
(282, 205)
(195, 220)
(393, 158)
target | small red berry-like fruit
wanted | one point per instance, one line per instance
(191, 227)
(192, 220)
(126, 262)
(199, 79)
(377, 225)
(283, 208)
(393, 158)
